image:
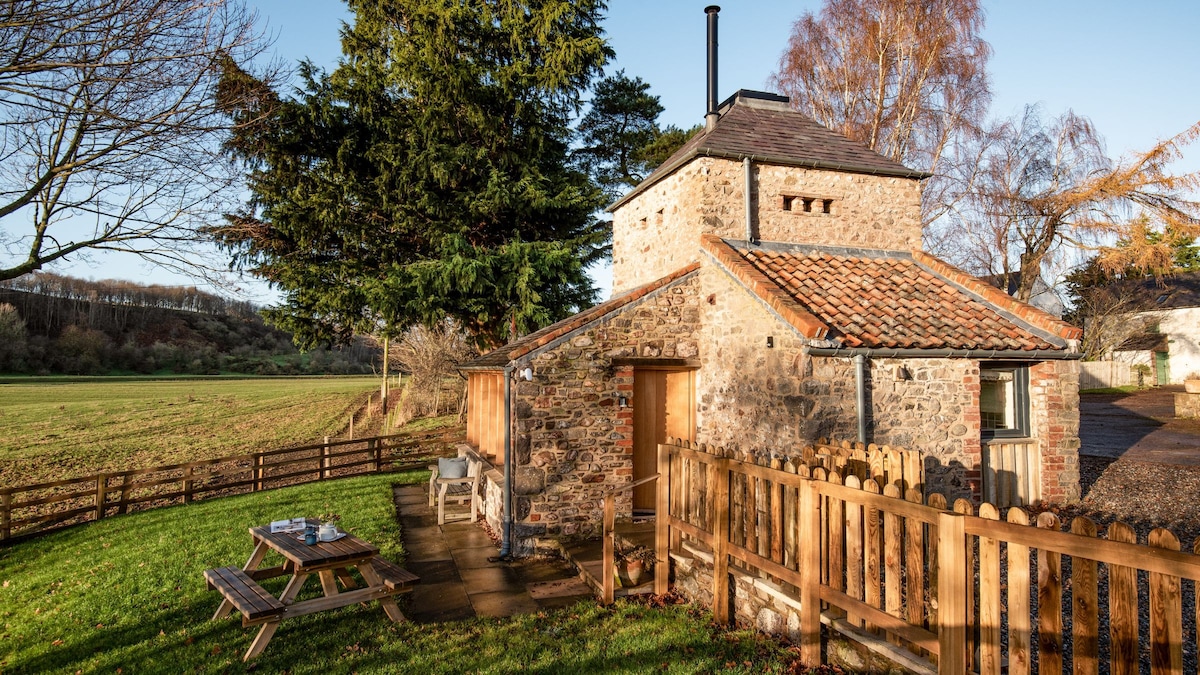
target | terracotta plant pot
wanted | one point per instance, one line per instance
(634, 568)
(1191, 386)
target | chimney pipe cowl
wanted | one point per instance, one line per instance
(710, 115)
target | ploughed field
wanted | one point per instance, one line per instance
(51, 430)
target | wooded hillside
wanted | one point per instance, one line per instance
(55, 324)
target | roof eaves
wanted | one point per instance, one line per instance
(768, 291)
(654, 177)
(584, 318)
(1025, 312)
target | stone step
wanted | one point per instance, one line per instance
(587, 557)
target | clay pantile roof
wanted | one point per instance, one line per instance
(883, 299)
(501, 357)
(762, 127)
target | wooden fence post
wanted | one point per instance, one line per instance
(809, 565)
(101, 494)
(325, 459)
(257, 462)
(187, 484)
(123, 505)
(374, 447)
(5, 515)
(721, 612)
(662, 528)
(952, 592)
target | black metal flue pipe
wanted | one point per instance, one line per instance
(712, 11)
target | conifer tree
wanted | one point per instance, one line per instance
(428, 175)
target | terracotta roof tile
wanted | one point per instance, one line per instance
(498, 358)
(876, 299)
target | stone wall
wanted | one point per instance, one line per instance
(749, 395)
(573, 441)
(774, 609)
(772, 400)
(658, 231)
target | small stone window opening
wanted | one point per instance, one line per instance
(826, 206)
(808, 202)
(787, 202)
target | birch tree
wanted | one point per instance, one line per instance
(907, 78)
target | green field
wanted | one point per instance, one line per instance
(127, 594)
(56, 429)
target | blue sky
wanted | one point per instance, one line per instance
(1130, 67)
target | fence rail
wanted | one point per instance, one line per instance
(965, 590)
(31, 510)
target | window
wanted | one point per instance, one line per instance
(804, 204)
(1004, 400)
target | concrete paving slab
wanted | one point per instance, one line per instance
(503, 603)
(457, 579)
(438, 551)
(439, 602)
(473, 558)
(491, 579)
(413, 499)
(467, 538)
(414, 521)
(435, 571)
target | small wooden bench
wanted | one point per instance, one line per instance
(393, 576)
(253, 601)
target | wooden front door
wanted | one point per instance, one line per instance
(664, 406)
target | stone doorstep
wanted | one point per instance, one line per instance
(832, 618)
(587, 558)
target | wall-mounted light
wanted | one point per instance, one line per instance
(623, 401)
(527, 374)
(770, 341)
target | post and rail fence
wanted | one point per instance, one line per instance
(30, 510)
(957, 587)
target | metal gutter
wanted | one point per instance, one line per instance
(979, 354)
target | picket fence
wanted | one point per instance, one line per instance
(964, 588)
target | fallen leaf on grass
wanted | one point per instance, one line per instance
(56, 643)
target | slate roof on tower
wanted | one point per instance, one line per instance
(761, 126)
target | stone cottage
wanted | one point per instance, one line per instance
(770, 289)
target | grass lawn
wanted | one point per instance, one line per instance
(127, 594)
(61, 429)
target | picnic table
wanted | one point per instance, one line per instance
(331, 561)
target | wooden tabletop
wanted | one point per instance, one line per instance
(322, 554)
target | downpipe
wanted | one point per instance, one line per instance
(506, 510)
(860, 386)
(747, 171)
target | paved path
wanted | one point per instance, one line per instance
(458, 581)
(1138, 427)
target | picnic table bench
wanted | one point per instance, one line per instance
(330, 561)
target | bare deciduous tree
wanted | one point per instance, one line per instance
(905, 77)
(109, 132)
(1040, 185)
(429, 355)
